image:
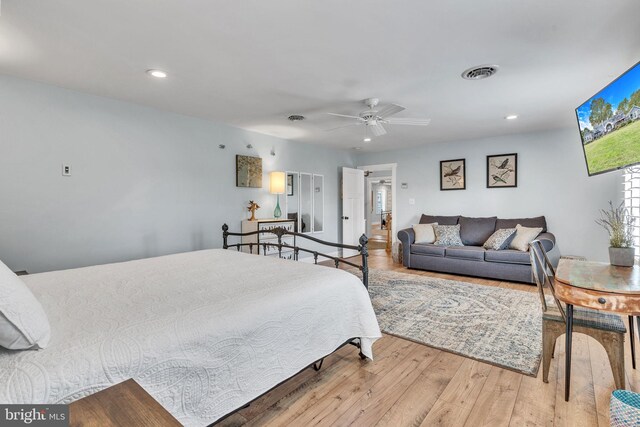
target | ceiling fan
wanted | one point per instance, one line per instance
(373, 118)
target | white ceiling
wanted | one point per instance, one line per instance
(252, 63)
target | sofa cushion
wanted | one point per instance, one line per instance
(427, 249)
(536, 222)
(476, 231)
(508, 256)
(441, 220)
(465, 252)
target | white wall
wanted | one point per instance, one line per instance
(552, 181)
(144, 183)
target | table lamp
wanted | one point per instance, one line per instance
(277, 185)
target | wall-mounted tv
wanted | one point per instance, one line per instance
(609, 125)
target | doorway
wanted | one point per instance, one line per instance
(380, 204)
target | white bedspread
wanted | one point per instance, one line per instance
(203, 332)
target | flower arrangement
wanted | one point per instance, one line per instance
(619, 224)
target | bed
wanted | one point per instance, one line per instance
(203, 332)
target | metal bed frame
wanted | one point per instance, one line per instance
(279, 232)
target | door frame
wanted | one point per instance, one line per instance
(394, 192)
(370, 182)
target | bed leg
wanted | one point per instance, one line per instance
(356, 342)
(318, 365)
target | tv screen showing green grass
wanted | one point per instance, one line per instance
(610, 125)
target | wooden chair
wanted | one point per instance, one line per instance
(606, 328)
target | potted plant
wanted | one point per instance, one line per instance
(619, 225)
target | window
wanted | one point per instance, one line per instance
(632, 200)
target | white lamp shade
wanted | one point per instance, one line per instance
(277, 182)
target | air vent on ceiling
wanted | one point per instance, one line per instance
(296, 117)
(481, 72)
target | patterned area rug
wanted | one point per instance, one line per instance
(499, 326)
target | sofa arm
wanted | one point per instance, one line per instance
(548, 241)
(407, 237)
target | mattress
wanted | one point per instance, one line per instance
(202, 332)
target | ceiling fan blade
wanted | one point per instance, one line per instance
(344, 126)
(344, 115)
(390, 110)
(377, 130)
(407, 121)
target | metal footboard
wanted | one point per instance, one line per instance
(280, 232)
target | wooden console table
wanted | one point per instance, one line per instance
(599, 286)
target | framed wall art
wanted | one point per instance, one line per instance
(452, 174)
(290, 184)
(502, 170)
(248, 171)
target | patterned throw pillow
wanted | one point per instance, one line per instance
(500, 239)
(448, 235)
(424, 233)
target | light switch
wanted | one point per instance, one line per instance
(66, 170)
(412, 201)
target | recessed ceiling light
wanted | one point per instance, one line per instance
(157, 73)
(511, 117)
(367, 139)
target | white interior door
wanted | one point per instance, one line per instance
(353, 223)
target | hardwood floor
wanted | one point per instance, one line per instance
(377, 237)
(409, 384)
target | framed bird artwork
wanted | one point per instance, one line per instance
(452, 174)
(502, 170)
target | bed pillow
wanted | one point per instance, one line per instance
(23, 322)
(448, 235)
(500, 239)
(424, 233)
(524, 236)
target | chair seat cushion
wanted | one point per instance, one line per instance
(427, 249)
(509, 256)
(587, 318)
(465, 252)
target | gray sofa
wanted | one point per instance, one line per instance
(472, 259)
